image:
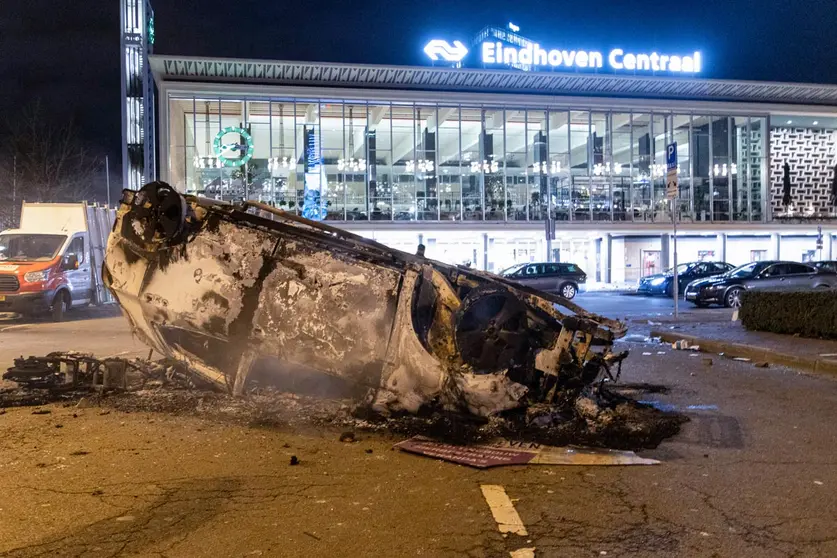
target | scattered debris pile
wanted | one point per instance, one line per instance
(70, 375)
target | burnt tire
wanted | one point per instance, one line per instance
(60, 305)
(491, 330)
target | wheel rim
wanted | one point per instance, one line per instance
(735, 299)
(568, 291)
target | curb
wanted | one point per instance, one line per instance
(756, 354)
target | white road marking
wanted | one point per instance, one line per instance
(523, 553)
(508, 521)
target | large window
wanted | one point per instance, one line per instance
(449, 164)
(474, 164)
(516, 170)
(379, 162)
(428, 161)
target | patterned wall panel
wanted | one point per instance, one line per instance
(811, 155)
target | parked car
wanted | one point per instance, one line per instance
(560, 278)
(726, 289)
(53, 261)
(663, 283)
(826, 266)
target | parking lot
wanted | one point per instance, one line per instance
(621, 305)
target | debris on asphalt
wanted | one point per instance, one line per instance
(70, 370)
(761, 365)
(683, 345)
(828, 355)
(741, 359)
(294, 460)
(41, 412)
(652, 323)
(390, 341)
(647, 354)
(83, 403)
(347, 437)
(504, 452)
(707, 361)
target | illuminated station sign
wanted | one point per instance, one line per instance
(516, 52)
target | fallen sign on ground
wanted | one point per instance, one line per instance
(505, 452)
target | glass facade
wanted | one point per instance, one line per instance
(444, 162)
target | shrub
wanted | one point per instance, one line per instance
(807, 313)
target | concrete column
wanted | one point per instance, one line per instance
(775, 246)
(665, 251)
(721, 251)
(607, 257)
(485, 251)
(828, 241)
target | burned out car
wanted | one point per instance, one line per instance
(236, 291)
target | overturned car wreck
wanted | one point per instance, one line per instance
(235, 291)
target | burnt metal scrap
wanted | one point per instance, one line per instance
(69, 371)
(237, 291)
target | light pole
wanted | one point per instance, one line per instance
(14, 190)
(107, 178)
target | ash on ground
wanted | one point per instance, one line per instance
(605, 417)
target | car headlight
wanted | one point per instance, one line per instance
(36, 276)
(658, 281)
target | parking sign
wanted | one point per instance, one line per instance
(671, 174)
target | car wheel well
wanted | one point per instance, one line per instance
(65, 293)
(727, 293)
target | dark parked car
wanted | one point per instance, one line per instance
(726, 289)
(826, 266)
(663, 283)
(559, 278)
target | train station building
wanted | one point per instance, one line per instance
(502, 150)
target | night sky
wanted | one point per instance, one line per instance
(67, 53)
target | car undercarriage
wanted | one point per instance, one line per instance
(239, 291)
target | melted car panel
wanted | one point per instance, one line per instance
(229, 289)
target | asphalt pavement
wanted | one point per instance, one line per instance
(752, 474)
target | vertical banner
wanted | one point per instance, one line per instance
(313, 204)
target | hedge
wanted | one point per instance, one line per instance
(807, 313)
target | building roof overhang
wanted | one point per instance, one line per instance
(273, 72)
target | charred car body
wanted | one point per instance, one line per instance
(233, 289)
